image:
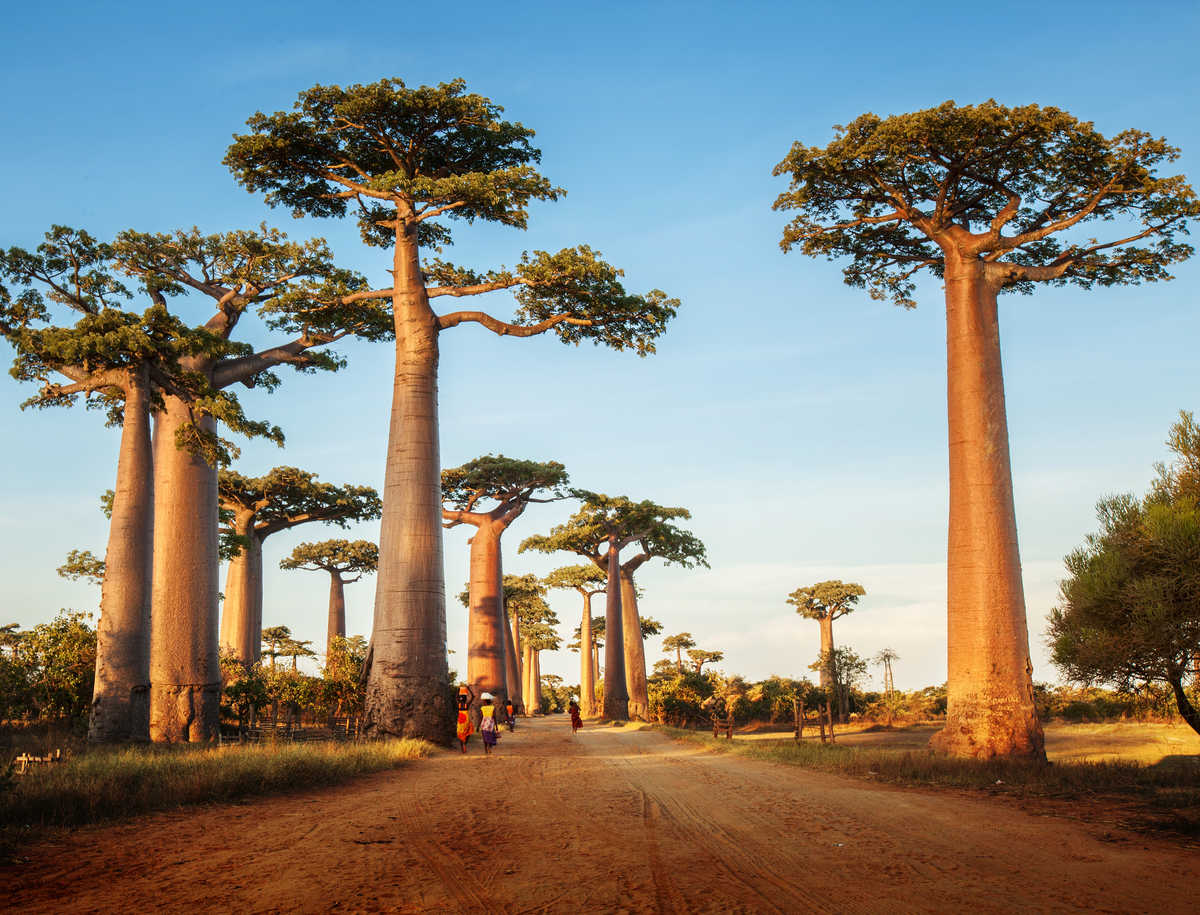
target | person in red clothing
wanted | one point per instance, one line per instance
(464, 697)
(576, 718)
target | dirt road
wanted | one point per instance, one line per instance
(613, 820)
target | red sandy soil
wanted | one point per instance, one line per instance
(611, 820)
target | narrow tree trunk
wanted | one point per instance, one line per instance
(635, 651)
(241, 614)
(826, 651)
(587, 673)
(121, 697)
(517, 665)
(527, 684)
(1186, 709)
(408, 684)
(596, 661)
(537, 681)
(505, 690)
(485, 631)
(185, 670)
(336, 628)
(616, 697)
(990, 705)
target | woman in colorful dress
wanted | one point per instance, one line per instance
(488, 728)
(464, 697)
(576, 719)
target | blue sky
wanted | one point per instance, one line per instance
(802, 423)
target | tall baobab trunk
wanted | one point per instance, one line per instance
(587, 673)
(485, 629)
(527, 697)
(408, 688)
(826, 650)
(596, 671)
(515, 667)
(185, 671)
(121, 697)
(241, 615)
(635, 651)
(337, 611)
(537, 681)
(990, 706)
(616, 697)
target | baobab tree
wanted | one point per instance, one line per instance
(122, 361)
(296, 287)
(990, 199)
(588, 581)
(613, 523)
(490, 493)
(678, 644)
(525, 602)
(825, 602)
(884, 659)
(340, 558)
(700, 657)
(407, 161)
(259, 507)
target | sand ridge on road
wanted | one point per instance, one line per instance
(612, 820)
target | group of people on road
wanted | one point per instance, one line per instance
(492, 715)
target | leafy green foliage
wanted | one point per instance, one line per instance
(82, 564)
(700, 657)
(50, 669)
(343, 557)
(502, 485)
(586, 579)
(602, 519)
(826, 599)
(288, 496)
(407, 160)
(1005, 185)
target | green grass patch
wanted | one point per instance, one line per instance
(1178, 781)
(104, 784)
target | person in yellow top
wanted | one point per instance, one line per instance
(488, 728)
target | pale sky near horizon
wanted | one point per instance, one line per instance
(802, 423)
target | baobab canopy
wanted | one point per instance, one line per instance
(1002, 183)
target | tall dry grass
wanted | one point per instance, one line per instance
(109, 783)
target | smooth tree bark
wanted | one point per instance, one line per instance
(990, 199)
(260, 507)
(340, 559)
(299, 291)
(610, 524)
(489, 494)
(407, 160)
(126, 362)
(524, 598)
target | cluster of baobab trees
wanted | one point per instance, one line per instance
(988, 198)
(510, 623)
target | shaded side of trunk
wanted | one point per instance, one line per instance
(616, 696)
(185, 670)
(587, 673)
(485, 632)
(1186, 709)
(990, 705)
(121, 697)
(408, 684)
(635, 651)
(504, 690)
(336, 629)
(826, 651)
(241, 613)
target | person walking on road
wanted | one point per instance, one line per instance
(463, 698)
(488, 729)
(511, 711)
(576, 719)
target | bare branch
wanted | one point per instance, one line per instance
(504, 329)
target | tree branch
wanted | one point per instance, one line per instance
(503, 328)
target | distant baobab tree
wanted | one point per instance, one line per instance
(825, 602)
(341, 559)
(588, 581)
(989, 199)
(678, 644)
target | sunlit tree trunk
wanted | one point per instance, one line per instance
(531, 706)
(517, 668)
(485, 629)
(616, 696)
(121, 697)
(336, 627)
(990, 705)
(635, 651)
(185, 672)
(408, 690)
(826, 650)
(241, 615)
(537, 681)
(587, 672)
